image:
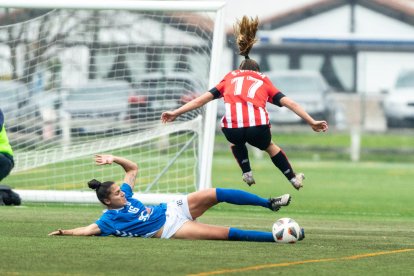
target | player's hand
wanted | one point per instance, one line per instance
(58, 232)
(103, 159)
(168, 116)
(319, 126)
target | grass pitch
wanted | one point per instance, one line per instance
(358, 218)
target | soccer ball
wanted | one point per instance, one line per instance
(286, 230)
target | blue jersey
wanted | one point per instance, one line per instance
(134, 219)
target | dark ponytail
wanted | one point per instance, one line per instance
(94, 184)
(103, 190)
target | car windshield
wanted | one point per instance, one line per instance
(299, 84)
(406, 80)
(99, 93)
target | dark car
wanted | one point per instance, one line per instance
(157, 92)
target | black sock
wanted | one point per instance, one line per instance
(242, 157)
(281, 162)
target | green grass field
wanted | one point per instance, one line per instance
(358, 218)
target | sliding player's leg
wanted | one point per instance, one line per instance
(201, 201)
(199, 231)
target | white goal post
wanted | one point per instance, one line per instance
(91, 77)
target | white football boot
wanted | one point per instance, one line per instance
(248, 178)
(297, 181)
(277, 202)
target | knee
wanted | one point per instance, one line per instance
(272, 149)
(212, 195)
(208, 197)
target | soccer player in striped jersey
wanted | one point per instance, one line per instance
(126, 216)
(245, 92)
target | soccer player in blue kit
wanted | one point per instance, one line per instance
(126, 216)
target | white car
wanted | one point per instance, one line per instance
(21, 113)
(307, 88)
(99, 106)
(399, 102)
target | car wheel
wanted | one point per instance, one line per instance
(393, 123)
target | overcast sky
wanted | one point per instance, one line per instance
(235, 9)
(262, 8)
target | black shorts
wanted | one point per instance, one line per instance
(6, 164)
(257, 136)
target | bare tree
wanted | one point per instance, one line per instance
(38, 39)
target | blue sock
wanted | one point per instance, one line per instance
(249, 235)
(239, 197)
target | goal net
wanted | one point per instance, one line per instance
(84, 78)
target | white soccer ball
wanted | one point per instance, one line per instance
(286, 230)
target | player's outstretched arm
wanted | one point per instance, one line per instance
(170, 116)
(131, 168)
(317, 126)
(89, 230)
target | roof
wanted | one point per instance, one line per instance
(402, 10)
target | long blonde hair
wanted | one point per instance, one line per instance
(245, 34)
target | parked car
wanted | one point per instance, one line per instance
(399, 102)
(158, 92)
(98, 106)
(307, 88)
(22, 116)
(20, 112)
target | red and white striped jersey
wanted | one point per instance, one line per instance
(245, 95)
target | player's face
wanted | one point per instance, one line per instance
(117, 197)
